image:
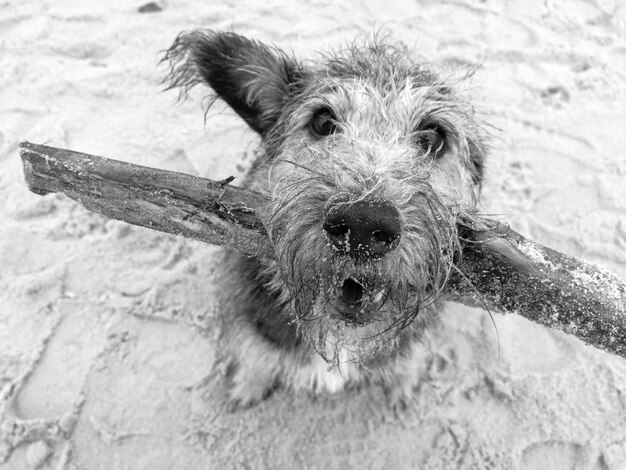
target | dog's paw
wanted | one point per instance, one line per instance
(397, 400)
(246, 388)
(248, 394)
(400, 394)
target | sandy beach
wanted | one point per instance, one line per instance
(107, 331)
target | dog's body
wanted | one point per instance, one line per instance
(369, 161)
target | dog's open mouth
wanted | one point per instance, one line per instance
(352, 292)
(358, 302)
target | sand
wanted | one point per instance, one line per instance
(107, 331)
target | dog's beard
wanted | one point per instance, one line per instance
(353, 310)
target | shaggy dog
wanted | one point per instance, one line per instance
(369, 160)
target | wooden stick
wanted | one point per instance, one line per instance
(503, 271)
(499, 269)
(210, 211)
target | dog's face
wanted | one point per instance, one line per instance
(369, 161)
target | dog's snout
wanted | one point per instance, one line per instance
(363, 229)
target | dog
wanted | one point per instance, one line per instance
(369, 159)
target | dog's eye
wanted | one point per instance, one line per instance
(324, 123)
(431, 141)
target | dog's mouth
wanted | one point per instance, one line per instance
(352, 292)
(358, 301)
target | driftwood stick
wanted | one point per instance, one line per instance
(210, 211)
(499, 269)
(506, 272)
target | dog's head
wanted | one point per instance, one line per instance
(369, 159)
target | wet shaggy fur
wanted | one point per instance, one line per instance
(366, 126)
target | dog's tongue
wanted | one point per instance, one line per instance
(352, 292)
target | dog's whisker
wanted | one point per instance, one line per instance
(482, 301)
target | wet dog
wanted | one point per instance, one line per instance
(369, 159)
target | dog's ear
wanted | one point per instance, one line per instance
(254, 79)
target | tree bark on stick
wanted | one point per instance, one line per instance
(210, 211)
(499, 269)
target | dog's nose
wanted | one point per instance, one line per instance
(363, 229)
